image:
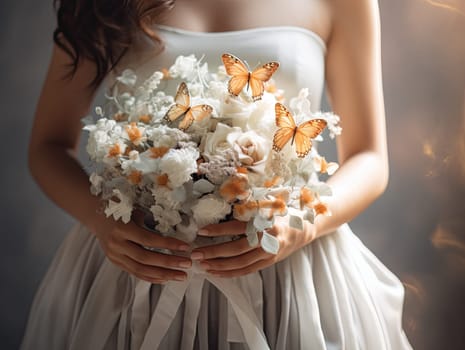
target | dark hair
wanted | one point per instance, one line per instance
(103, 30)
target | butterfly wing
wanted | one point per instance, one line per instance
(259, 76)
(286, 127)
(197, 113)
(238, 72)
(304, 134)
(182, 102)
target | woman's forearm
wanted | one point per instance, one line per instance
(359, 181)
(61, 177)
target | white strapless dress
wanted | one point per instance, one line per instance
(332, 294)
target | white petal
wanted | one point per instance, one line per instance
(296, 222)
(269, 243)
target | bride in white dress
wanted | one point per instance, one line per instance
(323, 290)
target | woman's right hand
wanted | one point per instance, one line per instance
(123, 246)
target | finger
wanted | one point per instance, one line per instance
(151, 258)
(153, 272)
(259, 265)
(121, 263)
(236, 262)
(227, 228)
(152, 239)
(151, 280)
(227, 249)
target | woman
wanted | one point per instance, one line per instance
(322, 290)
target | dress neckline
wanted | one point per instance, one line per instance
(303, 30)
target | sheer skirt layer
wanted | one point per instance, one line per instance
(332, 294)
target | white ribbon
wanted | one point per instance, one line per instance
(243, 324)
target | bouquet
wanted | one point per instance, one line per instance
(223, 147)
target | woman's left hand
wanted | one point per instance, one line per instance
(238, 258)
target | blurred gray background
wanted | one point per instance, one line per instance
(417, 228)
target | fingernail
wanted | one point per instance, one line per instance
(184, 248)
(197, 256)
(185, 264)
(204, 232)
(180, 278)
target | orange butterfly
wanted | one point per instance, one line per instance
(302, 134)
(182, 107)
(241, 76)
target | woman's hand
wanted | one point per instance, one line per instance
(238, 258)
(123, 245)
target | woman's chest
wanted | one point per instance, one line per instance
(230, 15)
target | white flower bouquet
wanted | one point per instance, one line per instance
(214, 151)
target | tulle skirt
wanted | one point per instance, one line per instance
(332, 294)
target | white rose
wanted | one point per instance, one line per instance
(216, 142)
(179, 165)
(252, 149)
(210, 210)
(237, 110)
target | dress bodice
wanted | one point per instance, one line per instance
(300, 52)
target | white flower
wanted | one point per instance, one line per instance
(167, 198)
(300, 105)
(166, 219)
(262, 118)
(333, 122)
(153, 81)
(237, 110)
(127, 77)
(251, 148)
(179, 165)
(184, 67)
(187, 231)
(164, 136)
(210, 210)
(215, 143)
(217, 90)
(130, 163)
(121, 209)
(96, 182)
(144, 163)
(97, 144)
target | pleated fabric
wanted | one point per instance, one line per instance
(332, 294)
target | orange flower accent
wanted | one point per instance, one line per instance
(324, 166)
(114, 151)
(166, 73)
(146, 118)
(235, 188)
(134, 133)
(272, 182)
(162, 180)
(306, 197)
(135, 177)
(277, 205)
(271, 87)
(321, 208)
(240, 209)
(242, 170)
(158, 152)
